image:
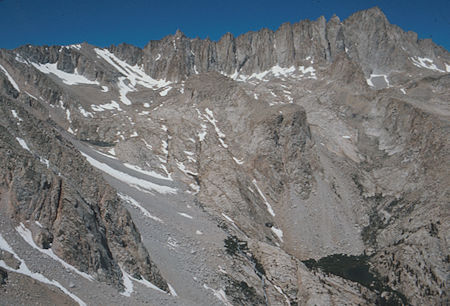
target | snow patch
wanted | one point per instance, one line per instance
(183, 169)
(227, 218)
(10, 79)
(269, 207)
(185, 215)
(136, 204)
(202, 134)
(279, 72)
(165, 91)
(14, 113)
(277, 232)
(239, 162)
(172, 290)
(108, 106)
(67, 78)
(423, 62)
(123, 90)
(23, 144)
(130, 180)
(134, 74)
(370, 80)
(23, 269)
(127, 283)
(146, 172)
(20, 59)
(25, 233)
(195, 187)
(219, 294)
(30, 95)
(210, 117)
(85, 113)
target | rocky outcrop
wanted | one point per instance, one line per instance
(82, 220)
(366, 37)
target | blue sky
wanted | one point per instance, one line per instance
(103, 23)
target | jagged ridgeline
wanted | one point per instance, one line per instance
(253, 170)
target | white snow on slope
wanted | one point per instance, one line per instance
(30, 95)
(123, 90)
(227, 218)
(134, 74)
(277, 232)
(23, 269)
(372, 76)
(147, 172)
(185, 215)
(128, 284)
(183, 169)
(106, 155)
(423, 62)
(278, 72)
(23, 144)
(172, 290)
(306, 70)
(67, 78)
(108, 106)
(136, 204)
(269, 207)
(76, 46)
(84, 112)
(28, 237)
(10, 79)
(238, 161)
(210, 117)
(20, 59)
(15, 115)
(130, 180)
(112, 151)
(219, 294)
(202, 134)
(165, 91)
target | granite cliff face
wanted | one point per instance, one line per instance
(297, 166)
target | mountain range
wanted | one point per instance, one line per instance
(302, 166)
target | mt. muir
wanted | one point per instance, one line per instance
(305, 166)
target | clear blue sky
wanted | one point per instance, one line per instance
(103, 23)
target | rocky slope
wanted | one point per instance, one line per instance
(250, 165)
